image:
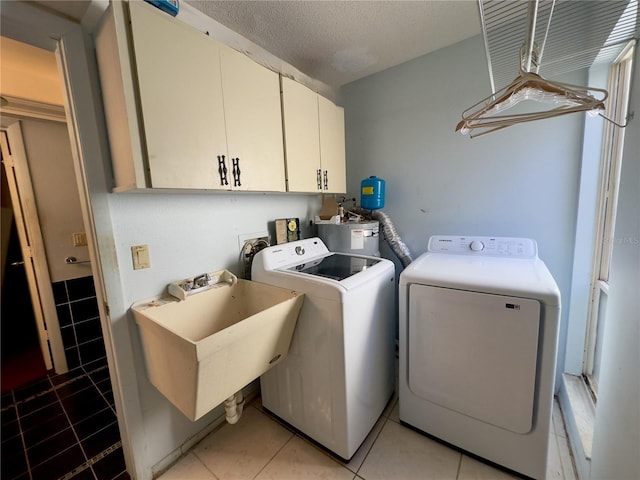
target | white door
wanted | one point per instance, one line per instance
(32, 247)
(474, 353)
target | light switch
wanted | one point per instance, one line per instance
(79, 239)
(140, 256)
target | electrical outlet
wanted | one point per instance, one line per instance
(79, 239)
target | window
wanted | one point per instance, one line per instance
(619, 85)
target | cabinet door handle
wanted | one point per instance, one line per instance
(236, 172)
(222, 170)
(326, 180)
(319, 178)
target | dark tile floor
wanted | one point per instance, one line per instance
(62, 427)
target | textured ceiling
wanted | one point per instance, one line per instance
(338, 42)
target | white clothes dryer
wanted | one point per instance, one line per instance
(339, 373)
(479, 321)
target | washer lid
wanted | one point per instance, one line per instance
(336, 266)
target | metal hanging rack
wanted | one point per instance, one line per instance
(502, 28)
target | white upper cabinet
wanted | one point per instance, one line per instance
(180, 90)
(184, 111)
(253, 121)
(332, 146)
(314, 141)
(302, 137)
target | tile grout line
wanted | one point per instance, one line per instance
(73, 430)
(459, 467)
(54, 388)
(195, 454)
(92, 461)
(293, 434)
(97, 388)
(384, 423)
(24, 445)
(51, 389)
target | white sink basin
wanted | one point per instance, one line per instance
(202, 350)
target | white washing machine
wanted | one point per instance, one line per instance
(339, 373)
(479, 320)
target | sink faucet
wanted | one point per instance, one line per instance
(201, 281)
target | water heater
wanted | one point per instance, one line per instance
(360, 238)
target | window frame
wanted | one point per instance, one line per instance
(619, 85)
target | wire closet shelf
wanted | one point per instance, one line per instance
(536, 41)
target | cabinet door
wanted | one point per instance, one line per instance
(301, 137)
(332, 147)
(178, 71)
(254, 122)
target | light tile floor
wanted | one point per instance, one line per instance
(259, 447)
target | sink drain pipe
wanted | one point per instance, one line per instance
(233, 407)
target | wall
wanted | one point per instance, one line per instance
(521, 181)
(616, 440)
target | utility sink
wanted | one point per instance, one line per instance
(203, 349)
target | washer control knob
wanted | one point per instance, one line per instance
(476, 246)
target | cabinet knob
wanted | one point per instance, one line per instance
(319, 178)
(326, 180)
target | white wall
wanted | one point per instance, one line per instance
(521, 181)
(616, 441)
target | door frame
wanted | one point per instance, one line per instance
(25, 211)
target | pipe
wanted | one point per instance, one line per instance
(390, 234)
(531, 32)
(233, 407)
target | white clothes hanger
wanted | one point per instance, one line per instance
(486, 116)
(565, 98)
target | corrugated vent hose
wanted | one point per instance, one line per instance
(390, 234)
